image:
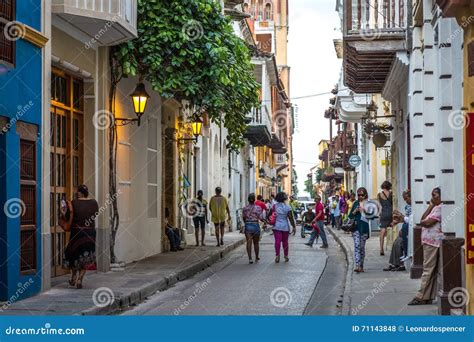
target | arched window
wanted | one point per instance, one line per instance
(260, 9)
(268, 12)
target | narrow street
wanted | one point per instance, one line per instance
(233, 287)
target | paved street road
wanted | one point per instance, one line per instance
(233, 287)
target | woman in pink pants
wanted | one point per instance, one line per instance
(281, 230)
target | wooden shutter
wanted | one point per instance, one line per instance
(7, 46)
(28, 196)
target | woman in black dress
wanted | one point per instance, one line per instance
(80, 251)
(386, 208)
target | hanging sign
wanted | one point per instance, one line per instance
(354, 160)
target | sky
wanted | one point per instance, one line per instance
(314, 69)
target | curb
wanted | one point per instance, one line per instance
(346, 303)
(138, 295)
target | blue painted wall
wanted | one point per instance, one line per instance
(21, 98)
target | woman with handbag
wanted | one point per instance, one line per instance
(79, 218)
(360, 229)
(252, 214)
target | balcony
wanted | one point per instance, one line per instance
(277, 144)
(374, 30)
(259, 127)
(232, 8)
(103, 22)
(452, 7)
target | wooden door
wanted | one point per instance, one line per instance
(66, 157)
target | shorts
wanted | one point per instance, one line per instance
(199, 221)
(252, 228)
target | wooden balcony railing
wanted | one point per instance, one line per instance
(382, 16)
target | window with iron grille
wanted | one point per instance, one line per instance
(7, 44)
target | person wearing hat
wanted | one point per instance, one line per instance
(219, 207)
(80, 251)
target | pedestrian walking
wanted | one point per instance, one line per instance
(200, 218)
(337, 212)
(361, 233)
(431, 236)
(80, 255)
(327, 211)
(386, 208)
(219, 207)
(318, 221)
(281, 229)
(332, 208)
(252, 214)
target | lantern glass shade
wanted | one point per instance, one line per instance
(379, 139)
(196, 125)
(140, 98)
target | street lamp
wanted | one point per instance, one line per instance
(139, 99)
(196, 126)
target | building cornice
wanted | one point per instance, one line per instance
(33, 36)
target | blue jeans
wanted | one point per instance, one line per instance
(314, 234)
(174, 237)
(405, 238)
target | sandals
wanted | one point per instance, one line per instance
(287, 259)
(250, 261)
(78, 284)
(277, 259)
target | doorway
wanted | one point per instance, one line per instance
(66, 155)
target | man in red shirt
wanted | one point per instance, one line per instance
(319, 221)
(260, 203)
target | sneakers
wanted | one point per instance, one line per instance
(308, 244)
(324, 246)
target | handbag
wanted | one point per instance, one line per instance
(64, 221)
(272, 219)
(350, 226)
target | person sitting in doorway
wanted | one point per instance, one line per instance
(172, 233)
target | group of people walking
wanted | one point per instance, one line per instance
(350, 209)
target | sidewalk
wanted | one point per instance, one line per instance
(376, 292)
(129, 287)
